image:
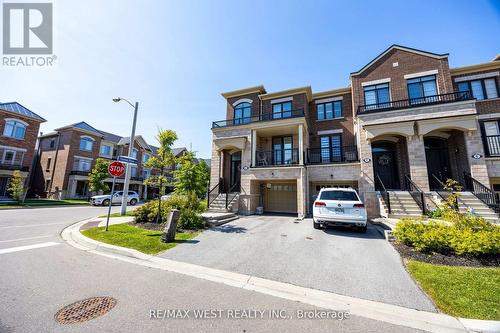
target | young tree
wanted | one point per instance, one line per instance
(163, 160)
(97, 176)
(191, 177)
(16, 186)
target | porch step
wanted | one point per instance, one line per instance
(218, 205)
(218, 218)
(402, 205)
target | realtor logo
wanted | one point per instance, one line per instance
(27, 28)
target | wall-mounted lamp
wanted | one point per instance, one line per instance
(367, 160)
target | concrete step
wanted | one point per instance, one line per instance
(399, 216)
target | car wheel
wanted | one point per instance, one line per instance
(105, 202)
(316, 225)
(133, 202)
(363, 229)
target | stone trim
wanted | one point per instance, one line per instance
(281, 100)
(334, 131)
(477, 76)
(420, 74)
(371, 83)
(242, 100)
(331, 99)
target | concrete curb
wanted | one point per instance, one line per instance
(397, 315)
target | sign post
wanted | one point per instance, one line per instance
(115, 169)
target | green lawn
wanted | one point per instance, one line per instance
(126, 235)
(460, 291)
(46, 203)
(118, 214)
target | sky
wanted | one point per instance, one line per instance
(176, 57)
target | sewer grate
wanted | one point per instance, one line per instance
(84, 310)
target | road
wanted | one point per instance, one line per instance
(41, 274)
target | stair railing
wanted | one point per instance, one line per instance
(230, 191)
(444, 193)
(213, 193)
(416, 193)
(385, 194)
(481, 191)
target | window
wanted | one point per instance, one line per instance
(331, 148)
(81, 188)
(134, 153)
(492, 137)
(282, 110)
(242, 113)
(283, 152)
(83, 165)
(146, 173)
(15, 129)
(480, 89)
(49, 160)
(9, 157)
(329, 110)
(421, 87)
(52, 143)
(145, 157)
(339, 195)
(133, 171)
(377, 94)
(106, 150)
(86, 143)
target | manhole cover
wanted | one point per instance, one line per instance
(84, 310)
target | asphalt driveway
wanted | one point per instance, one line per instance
(336, 260)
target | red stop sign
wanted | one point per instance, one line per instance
(116, 169)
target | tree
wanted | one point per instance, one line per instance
(191, 177)
(163, 160)
(97, 176)
(16, 185)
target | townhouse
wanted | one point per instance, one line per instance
(404, 125)
(67, 155)
(19, 131)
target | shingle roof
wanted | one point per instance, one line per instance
(111, 137)
(177, 151)
(15, 107)
(84, 126)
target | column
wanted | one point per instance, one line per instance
(417, 161)
(301, 144)
(366, 178)
(475, 156)
(254, 146)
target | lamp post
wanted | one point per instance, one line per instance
(130, 150)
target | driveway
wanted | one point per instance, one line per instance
(336, 260)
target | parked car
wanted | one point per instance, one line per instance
(339, 207)
(166, 197)
(132, 198)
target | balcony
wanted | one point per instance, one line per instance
(344, 154)
(79, 173)
(5, 166)
(415, 102)
(255, 119)
(277, 157)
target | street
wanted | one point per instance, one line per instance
(41, 274)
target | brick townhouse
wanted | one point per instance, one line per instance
(19, 131)
(406, 123)
(67, 155)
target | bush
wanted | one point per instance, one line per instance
(470, 235)
(188, 204)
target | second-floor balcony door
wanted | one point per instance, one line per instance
(283, 150)
(282, 110)
(331, 148)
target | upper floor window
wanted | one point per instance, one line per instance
(15, 129)
(86, 143)
(145, 157)
(421, 87)
(282, 110)
(82, 164)
(480, 89)
(146, 173)
(106, 150)
(331, 148)
(134, 152)
(242, 113)
(133, 171)
(52, 143)
(329, 110)
(377, 94)
(491, 135)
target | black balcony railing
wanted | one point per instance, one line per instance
(79, 173)
(416, 102)
(492, 145)
(262, 117)
(4, 166)
(276, 157)
(332, 155)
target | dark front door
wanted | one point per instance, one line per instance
(235, 172)
(385, 166)
(438, 162)
(3, 186)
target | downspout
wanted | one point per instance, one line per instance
(55, 162)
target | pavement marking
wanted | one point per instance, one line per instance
(32, 225)
(27, 247)
(26, 238)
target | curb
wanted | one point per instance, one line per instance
(393, 314)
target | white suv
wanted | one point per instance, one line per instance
(339, 206)
(132, 198)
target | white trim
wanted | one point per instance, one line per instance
(371, 83)
(281, 100)
(14, 148)
(83, 158)
(420, 74)
(335, 131)
(18, 120)
(242, 100)
(331, 99)
(489, 116)
(13, 156)
(87, 137)
(476, 76)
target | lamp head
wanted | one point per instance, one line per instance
(116, 99)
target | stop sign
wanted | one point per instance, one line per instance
(116, 169)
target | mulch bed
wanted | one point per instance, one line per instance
(408, 252)
(149, 226)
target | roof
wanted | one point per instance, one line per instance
(111, 137)
(284, 93)
(257, 89)
(497, 58)
(493, 65)
(17, 108)
(403, 48)
(83, 126)
(334, 92)
(178, 151)
(138, 138)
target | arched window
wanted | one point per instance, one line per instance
(15, 128)
(86, 143)
(242, 113)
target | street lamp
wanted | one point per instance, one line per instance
(130, 149)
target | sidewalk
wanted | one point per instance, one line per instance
(427, 321)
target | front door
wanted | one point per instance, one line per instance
(385, 166)
(235, 178)
(438, 162)
(3, 186)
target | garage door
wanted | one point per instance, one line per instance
(281, 198)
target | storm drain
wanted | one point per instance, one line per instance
(84, 310)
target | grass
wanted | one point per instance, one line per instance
(45, 203)
(146, 241)
(466, 292)
(118, 214)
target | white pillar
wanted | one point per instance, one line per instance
(254, 146)
(301, 144)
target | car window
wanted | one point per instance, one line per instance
(119, 193)
(131, 193)
(339, 195)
